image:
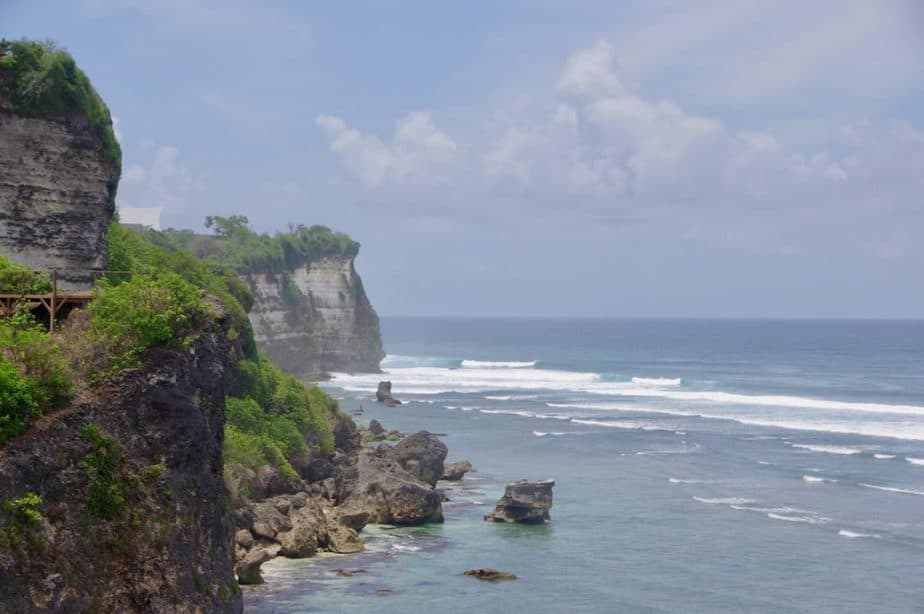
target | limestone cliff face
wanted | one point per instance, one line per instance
(56, 195)
(135, 513)
(316, 319)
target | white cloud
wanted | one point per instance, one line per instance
(590, 72)
(418, 153)
(162, 181)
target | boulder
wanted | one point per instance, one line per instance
(346, 437)
(352, 516)
(343, 540)
(244, 538)
(421, 454)
(248, 568)
(455, 471)
(383, 395)
(491, 575)
(309, 530)
(378, 486)
(376, 428)
(524, 501)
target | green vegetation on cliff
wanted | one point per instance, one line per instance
(233, 242)
(39, 79)
(160, 299)
(18, 279)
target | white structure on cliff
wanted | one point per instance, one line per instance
(144, 217)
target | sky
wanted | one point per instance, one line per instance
(638, 158)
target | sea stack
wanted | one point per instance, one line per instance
(525, 502)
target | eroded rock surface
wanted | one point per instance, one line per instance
(56, 195)
(524, 501)
(316, 319)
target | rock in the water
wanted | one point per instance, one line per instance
(343, 540)
(376, 428)
(248, 568)
(524, 501)
(383, 395)
(421, 454)
(456, 471)
(492, 575)
(379, 486)
(309, 528)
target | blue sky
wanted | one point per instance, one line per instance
(537, 158)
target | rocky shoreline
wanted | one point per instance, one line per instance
(359, 485)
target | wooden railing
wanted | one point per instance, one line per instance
(52, 302)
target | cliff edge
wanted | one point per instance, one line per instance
(316, 318)
(132, 512)
(59, 164)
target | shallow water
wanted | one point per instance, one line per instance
(700, 466)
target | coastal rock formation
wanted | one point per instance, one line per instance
(489, 574)
(454, 472)
(133, 512)
(422, 455)
(524, 501)
(383, 395)
(294, 526)
(316, 318)
(57, 192)
(377, 486)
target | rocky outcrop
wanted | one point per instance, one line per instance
(133, 504)
(57, 192)
(378, 487)
(316, 319)
(294, 526)
(524, 501)
(422, 455)
(453, 472)
(489, 574)
(383, 395)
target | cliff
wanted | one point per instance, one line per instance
(133, 512)
(316, 318)
(59, 168)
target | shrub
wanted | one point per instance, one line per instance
(38, 357)
(103, 466)
(128, 319)
(18, 404)
(18, 279)
(44, 81)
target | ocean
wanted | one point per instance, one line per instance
(700, 466)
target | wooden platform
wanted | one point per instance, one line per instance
(52, 303)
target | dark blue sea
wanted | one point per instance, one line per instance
(700, 466)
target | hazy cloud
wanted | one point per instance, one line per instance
(416, 154)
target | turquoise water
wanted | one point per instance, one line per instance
(706, 466)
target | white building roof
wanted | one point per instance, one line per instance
(149, 217)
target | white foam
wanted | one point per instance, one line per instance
(509, 412)
(657, 381)
(683, 481)
(619, 424)
(902, 491)
(855, 535)
(547, 434)
(512, 397)
(817, 479)
(723, 500)
(665, 395)
(914, 461)
(805, 519)
(497, 364)
(405, 548)
(827, 449)
(883, 456)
